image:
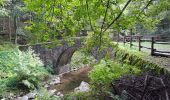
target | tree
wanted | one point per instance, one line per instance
(64, 18)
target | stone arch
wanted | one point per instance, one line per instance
(64, 58)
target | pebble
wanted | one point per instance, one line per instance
(55, 81)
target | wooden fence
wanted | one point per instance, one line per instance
(154, 40)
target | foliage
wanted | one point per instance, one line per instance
(123, 96)
(135, 58)
(50, 20)
(65, 18)
(80, 59)
(105, 72)
(20, 70)
(43, 94)
(49, 68)
(3, 12)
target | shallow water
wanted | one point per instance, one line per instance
(70, 81)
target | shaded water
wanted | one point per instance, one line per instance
(70, 81)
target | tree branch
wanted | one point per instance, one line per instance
(87, 6)
(108, 2)
(147, 5)
(126, 5)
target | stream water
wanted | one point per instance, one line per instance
(70, 81)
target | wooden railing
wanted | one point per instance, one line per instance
(155, 52)
(154, 40)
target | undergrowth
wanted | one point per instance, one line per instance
(134, 58)
(105, 72)
(80, 59)
(20, 71)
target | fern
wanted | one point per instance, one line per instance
(20, 69)
(106, 71)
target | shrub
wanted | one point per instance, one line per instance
(80, 59)
(29, 69)
(105, 72)
(20, 70)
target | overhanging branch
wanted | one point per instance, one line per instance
(147, 5)
(114, 20)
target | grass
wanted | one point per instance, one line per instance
(159, 47)
(145, 54)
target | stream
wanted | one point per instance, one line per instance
(71, 80)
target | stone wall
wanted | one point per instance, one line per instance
(58, 56)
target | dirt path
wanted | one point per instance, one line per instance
(70, 81)
(160, 61)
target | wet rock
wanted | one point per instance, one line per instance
(52, 92)
(31, 95)
(46, 86)
(84, 87)
(55, 81)
(60, 94)
(75, 69)
(23, 98)
(56, 96)
(11, 94)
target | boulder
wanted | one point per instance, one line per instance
(23, 98)
(84, 87)
(60, 94)
(31, 95)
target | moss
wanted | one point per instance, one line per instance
(136, 59)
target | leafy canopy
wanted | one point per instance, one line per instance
(65, 18)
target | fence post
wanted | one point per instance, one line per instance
(131, 38)
(152, 46)
(139, 43)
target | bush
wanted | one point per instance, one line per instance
(105, 72)
(80, 59)
(20, 70)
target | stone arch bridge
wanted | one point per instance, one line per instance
(57, 56)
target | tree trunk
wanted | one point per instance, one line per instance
(15, 28)
(3, 24)
(9, 25)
